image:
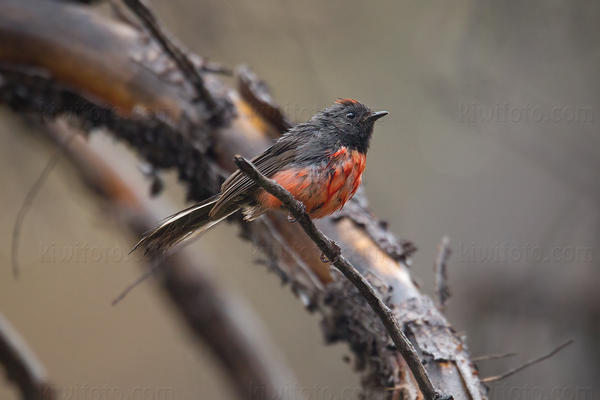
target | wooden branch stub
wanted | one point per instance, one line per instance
(442, 289)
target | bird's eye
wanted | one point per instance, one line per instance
(350, 115)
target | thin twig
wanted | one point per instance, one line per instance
(527, 364)
(154, 267)
(493, 356)
(174, 50)
(28, 201)
(441, 273)
(333, 253)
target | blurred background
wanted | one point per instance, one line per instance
(492, 139)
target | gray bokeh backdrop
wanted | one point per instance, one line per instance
(492, 139)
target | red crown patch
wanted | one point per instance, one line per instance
(346, 102)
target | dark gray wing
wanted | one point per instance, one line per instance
(282, 153)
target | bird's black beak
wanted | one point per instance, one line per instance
(374, 116)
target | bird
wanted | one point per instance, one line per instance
(320, 162)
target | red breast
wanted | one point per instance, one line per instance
(323, 189)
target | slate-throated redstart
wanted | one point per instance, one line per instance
(320, 162)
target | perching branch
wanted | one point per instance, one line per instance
(21, 365)
(333, 254)
(527, 364)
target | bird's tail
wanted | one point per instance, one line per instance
(182, 226)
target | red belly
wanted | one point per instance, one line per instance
(323, 189)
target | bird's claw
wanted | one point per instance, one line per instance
(301, 209)
(333, 260)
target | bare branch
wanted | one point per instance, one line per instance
(333, 254)
(22, 367)
(441, 273)
(178, 55)
(527, 364)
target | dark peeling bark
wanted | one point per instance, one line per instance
(143, 100)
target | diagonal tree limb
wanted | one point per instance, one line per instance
(170, 132)
(215, 316)
(22, 367)
(333, 254)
